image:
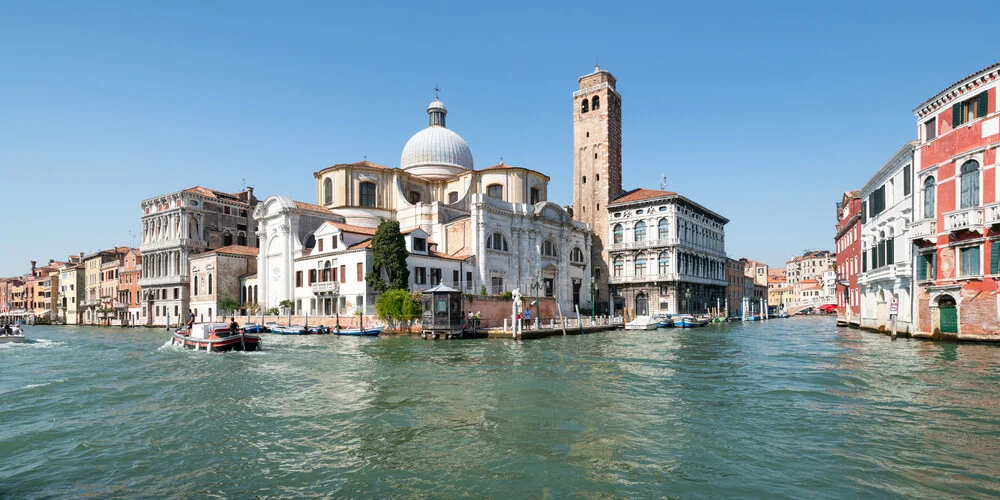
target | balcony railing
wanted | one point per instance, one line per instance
(163, 280)
(966, 219)
(644, 278)
(174, 243)
(923, 230)
(325, 288)
(629, 245)
(992, 213)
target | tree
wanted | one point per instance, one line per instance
(226, 303)
(253, 308)
(389, 271)
(288, 305)
(397, 307)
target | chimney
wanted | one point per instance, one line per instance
(51, 261)
(33, 266)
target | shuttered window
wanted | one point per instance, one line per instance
(981, 104)
(956, 114)
(970, 261)
(906, 180)
(921, 267)
(970, 184)
(995, 257)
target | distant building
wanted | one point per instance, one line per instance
(71, 289)
(735, 288)
(128, 307)
(848, 243)
(805, 275)
(216, 274)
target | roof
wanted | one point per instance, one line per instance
(214, 194)
(310, 207)
(440, 288)
(350, 228)
(248, 275)
(440, 255)
(953, 86)
(639, 194)
(236, 250)
(364, 244)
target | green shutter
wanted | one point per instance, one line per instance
(949, 319)
(921, 267)
(956, 114)
(994, 256)
(981, 105)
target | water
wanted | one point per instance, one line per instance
(785, 408)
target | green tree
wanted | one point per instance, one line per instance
(389, 271)
(253, 308)
(398, 308)
(227, 304)
(288, 305)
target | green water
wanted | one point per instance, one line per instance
(785, 408)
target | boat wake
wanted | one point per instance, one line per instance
(33, 343)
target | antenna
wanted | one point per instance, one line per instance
(663, 182)
(244, 184)
(501, 160)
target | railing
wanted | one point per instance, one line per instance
(173, 243)
(966, 219)
(326, 287)
(629, 245)
(992, 213)
(163, 280)
(644, 278)
(923, 229)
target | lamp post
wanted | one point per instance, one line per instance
(593, 303)
(537, 285)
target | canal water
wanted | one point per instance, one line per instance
(784, 408)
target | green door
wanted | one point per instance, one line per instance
(949, 315)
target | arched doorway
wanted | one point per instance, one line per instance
(641, 305)
(948, 322)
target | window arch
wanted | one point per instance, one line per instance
(664, 262)
(194, 289)
(453, 197)
(595, 103)
(241, 239)
(494, 191)
(970, 184)
(619, 264)
(548, 248)
(209, 283)
(584, 107)
(929, 198)
(497, 241)
(640, 231)
(327, 191)
(663, 229)
(367, 198)
(227, 239)
(640, 265)
(576, 255)
(619, 233)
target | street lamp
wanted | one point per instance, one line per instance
(593, 303)
(537, 285)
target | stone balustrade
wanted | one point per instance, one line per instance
(966, 219)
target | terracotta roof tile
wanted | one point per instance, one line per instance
(440, 255)
(364, 244)
(349, 228)
(641, 194)
(310, 207)
(498, 166)
(960, 80)
(237, 250)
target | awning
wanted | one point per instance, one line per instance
(828, 307)
(43, 313)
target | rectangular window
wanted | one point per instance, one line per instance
(864, 212)
(343, 274)
(331, 274)
(435, 276)
(468, 279)
(454, 279)
(359, 302)
(969, 257)
(319, 245)
(312, 276)
(177, 293)
(333, 243)
(420, 275)
(535, 196)
(419, 245)
(969, 109)
(930, 129)
(496, 284)
(906, 181)
(995, 257)
(361, 272)
(298, 279)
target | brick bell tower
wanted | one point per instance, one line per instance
(597, 166)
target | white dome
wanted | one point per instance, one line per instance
(436, 152)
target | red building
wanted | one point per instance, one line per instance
(956, 225)
(848, 240)
(129, 291)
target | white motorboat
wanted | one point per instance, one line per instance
(643, 323)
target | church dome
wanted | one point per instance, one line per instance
(436, 152)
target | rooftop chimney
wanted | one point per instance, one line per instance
(33, 266)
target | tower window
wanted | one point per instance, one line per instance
(597, 177)
(596, 103)
(584, 106)
(367, 194)
(588, 134)
(585, 179)
(595, 156)
(494, 191)
(327, 191)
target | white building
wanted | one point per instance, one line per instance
(668, 254)
(886, 210)
(491, 228)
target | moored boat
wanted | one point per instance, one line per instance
(688, 321)
(643, 323)
(664, 321)
(11, 339)
(318, 329)
(254, 328)
(289, 330)
(357, 332)
(215, 337)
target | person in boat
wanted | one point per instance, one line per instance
(190, 319)
(16, 331)
(6, 329)
(234, 327)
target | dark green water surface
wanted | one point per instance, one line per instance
(793, 408)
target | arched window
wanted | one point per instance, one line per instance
(327, 274)
(584, 107)
(494, 191)
(640, 265)
(664, 263)
(209, 285)
(640, 231)
(576, 255)
(548, 248)
(255, 298)
(327, 191)
(929, 198)
(619, 233)
(619, 264)
(663, 229)
(241, 239)
(453, 197)
(595, 103)
(496, 241)
(194, 287)
(367, 194)
(227, 239)
(970, 184)
(310, 241)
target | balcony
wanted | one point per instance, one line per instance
(992, 214)
(645, 278)
(923, 230)
(966, 219)
(636, 245)
(325, 288)
(164, 280)
(174, 243)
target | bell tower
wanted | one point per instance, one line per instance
(597, 165)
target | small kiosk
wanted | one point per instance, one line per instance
(442, 312)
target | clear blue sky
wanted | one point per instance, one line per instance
(764, 113)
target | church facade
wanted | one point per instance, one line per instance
(479, 231)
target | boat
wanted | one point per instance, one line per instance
(664, 321)
(643, 323)
(289, 330)
(317, 329)
(12, 339)
(254, 328)
(688, 321)
(214, 337)
(357, 332)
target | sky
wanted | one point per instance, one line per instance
(765, 112)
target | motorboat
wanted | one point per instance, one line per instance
(318, 329)
(15, 337)
(664, 321)
(357, 332)
(289, 330)
(254, 328)
(688, 321)
(643, 323)
(215, 337)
